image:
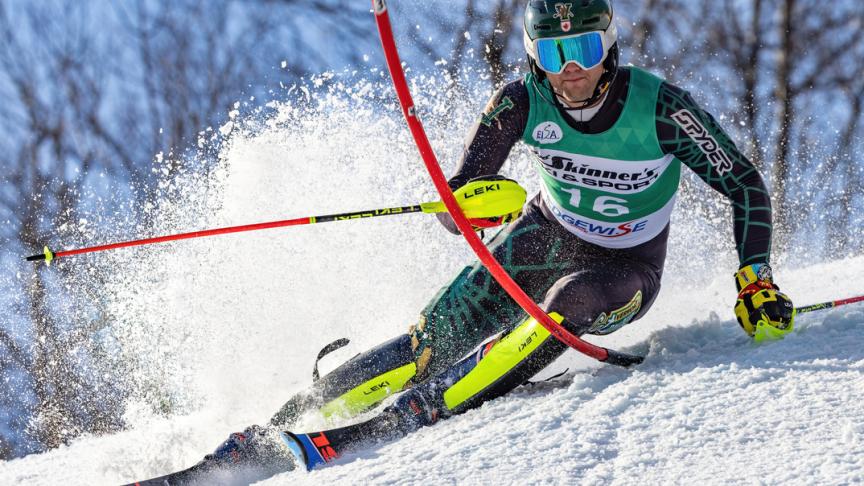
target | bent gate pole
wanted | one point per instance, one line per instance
(385, 30)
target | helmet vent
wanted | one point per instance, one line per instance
(591, 20)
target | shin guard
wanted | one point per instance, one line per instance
(357, 385)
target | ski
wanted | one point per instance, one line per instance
(187, 476)
(206, 473)
(246, 457)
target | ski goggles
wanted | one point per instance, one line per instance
(587, 50)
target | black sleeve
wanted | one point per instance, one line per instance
(489, 142)
(499, 128)
(694, 137)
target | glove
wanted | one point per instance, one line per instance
(762, 310)
(487, 201)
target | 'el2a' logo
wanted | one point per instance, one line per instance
(547, 132)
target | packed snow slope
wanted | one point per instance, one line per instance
(217, 333)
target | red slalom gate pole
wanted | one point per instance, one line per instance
(385, 30)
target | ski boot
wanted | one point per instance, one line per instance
(246, 457)
(263, 448)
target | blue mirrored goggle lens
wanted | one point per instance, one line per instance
(585, 49)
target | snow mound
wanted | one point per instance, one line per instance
(706, 406)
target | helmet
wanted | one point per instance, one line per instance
(551, 19)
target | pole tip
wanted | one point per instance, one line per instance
(46, 255)
(623, 359)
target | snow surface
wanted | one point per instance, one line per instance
(223, 330)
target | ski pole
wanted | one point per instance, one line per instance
(479, 199)
(431, 207)
(829, 305)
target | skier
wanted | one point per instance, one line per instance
(609, 144)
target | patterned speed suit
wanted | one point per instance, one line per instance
(560, 258)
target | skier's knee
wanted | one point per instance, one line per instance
(593, 303)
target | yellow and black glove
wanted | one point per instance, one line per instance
(487, 202)
(762, 310)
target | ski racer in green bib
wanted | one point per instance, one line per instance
(609, 143)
